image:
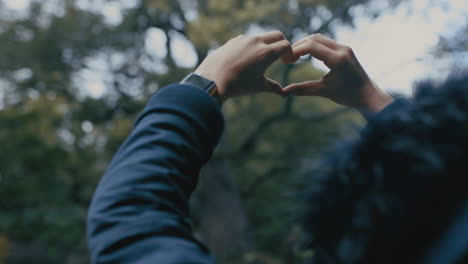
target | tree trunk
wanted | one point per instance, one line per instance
(220, 214)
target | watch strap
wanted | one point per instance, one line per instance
(201, 82)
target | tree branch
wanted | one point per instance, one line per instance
(260, 181)
(250, 142)
(325, 26)
(270, 174)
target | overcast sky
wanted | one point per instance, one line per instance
(393, 48)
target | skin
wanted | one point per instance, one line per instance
(238, 68)
(347, 83)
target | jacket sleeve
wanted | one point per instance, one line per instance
(139, 212)
(398, 103)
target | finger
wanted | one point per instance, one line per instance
(310, 88)
(326, 41)
(296, 57)
(273, 37)
(315, 49)
(279, 49)
(322, 39)
(301, 41)
(290, 58)
(272, 86)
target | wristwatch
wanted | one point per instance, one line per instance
(201, 82)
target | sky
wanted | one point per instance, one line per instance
(394, 48)
(16, 4)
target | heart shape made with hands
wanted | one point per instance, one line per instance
(347, 83)
(238, 68)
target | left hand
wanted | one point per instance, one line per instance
(347, 83)
(238, 68)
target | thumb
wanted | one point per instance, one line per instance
(272, 86)
(310, 88)
(290, 58)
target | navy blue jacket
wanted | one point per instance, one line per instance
(139, 213)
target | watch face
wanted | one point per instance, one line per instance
(200, 82)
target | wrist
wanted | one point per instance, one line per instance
(220, 94)
(376, 99)
(218, 98)
(204, 83)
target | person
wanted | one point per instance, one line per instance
(371, 205)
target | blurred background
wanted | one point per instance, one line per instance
(74, 75)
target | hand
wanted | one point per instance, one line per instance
(238, 67)
(347, 83)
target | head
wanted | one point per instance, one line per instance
(388, 197)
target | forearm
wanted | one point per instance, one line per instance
(141, 204)
(374, 102)
(374, 98)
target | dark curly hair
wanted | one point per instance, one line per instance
(387, 197)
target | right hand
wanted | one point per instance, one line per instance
(238, 67)
(347, 83)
